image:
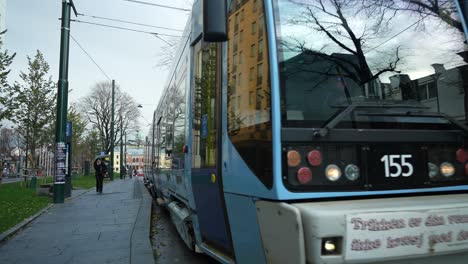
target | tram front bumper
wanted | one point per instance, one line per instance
(426, 229)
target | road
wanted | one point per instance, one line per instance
(168, 247)
(10, 180)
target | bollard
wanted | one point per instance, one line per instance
(32, 184)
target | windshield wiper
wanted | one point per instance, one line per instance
(323, 131)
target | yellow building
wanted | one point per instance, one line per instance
(248, 72)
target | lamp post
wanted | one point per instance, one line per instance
(62, 104)
(112, 132)
(122, 170)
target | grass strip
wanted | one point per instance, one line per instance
(18, 203)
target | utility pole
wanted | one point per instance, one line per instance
(122, 170)
(62, 104)
(112, 132)
(125, 150)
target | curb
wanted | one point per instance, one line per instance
(141, 250)
(10, 232)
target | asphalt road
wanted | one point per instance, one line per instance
(168, 247)
(10, 180)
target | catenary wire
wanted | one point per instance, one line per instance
(130, 22)
(158, 5)
(123, 28)
(89, 56)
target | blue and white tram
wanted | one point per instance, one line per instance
(317, 131)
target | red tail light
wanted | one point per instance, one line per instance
(462, 156)
(315, 158)
(304, 175)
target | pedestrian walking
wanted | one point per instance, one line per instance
(101, 170)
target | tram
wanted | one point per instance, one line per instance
(317, 131)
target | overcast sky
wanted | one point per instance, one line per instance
(128, 57)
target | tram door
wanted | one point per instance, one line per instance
(206, 171)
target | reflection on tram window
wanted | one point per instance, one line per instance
(249, 110)
(334, 53)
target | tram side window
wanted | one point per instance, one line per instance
(178, 123)
(204, 107)
(249, 110)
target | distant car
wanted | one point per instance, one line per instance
(140, 174)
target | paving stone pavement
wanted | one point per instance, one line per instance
(91, 228)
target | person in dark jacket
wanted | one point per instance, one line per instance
(101, 170)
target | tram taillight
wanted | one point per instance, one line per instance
(294, 158)
(461, 155)
(304, 175)
(315, 158)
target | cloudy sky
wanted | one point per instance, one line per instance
(128, 57)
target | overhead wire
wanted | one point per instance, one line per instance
(397, 34)
(123, 28)
(130, 22)
(158, 5)
(89, 56)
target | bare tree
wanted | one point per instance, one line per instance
(97, 107)
(350, 45)
(166, 55)
(445, 10)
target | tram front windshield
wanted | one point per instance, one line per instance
(399, 64)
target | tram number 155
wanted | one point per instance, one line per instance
(400, 163)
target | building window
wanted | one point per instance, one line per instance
(242, 16)
(236, 23)
(260, 49)
(234, 63)
(251, 74)
(258, 103)
(259, 74)
(240, 57)
(252, 50)
(239, 80)
(241, 36)
(260, 28)
(236, 44)
(233, 84)
(251, 98)
(427, 90)
(254, 28)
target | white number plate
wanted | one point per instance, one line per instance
(405, 233)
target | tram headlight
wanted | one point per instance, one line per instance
(333, 172)
(433, 170)
(447, 169)
(331, 245)
(352, 172)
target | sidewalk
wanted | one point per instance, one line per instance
(91, 228)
